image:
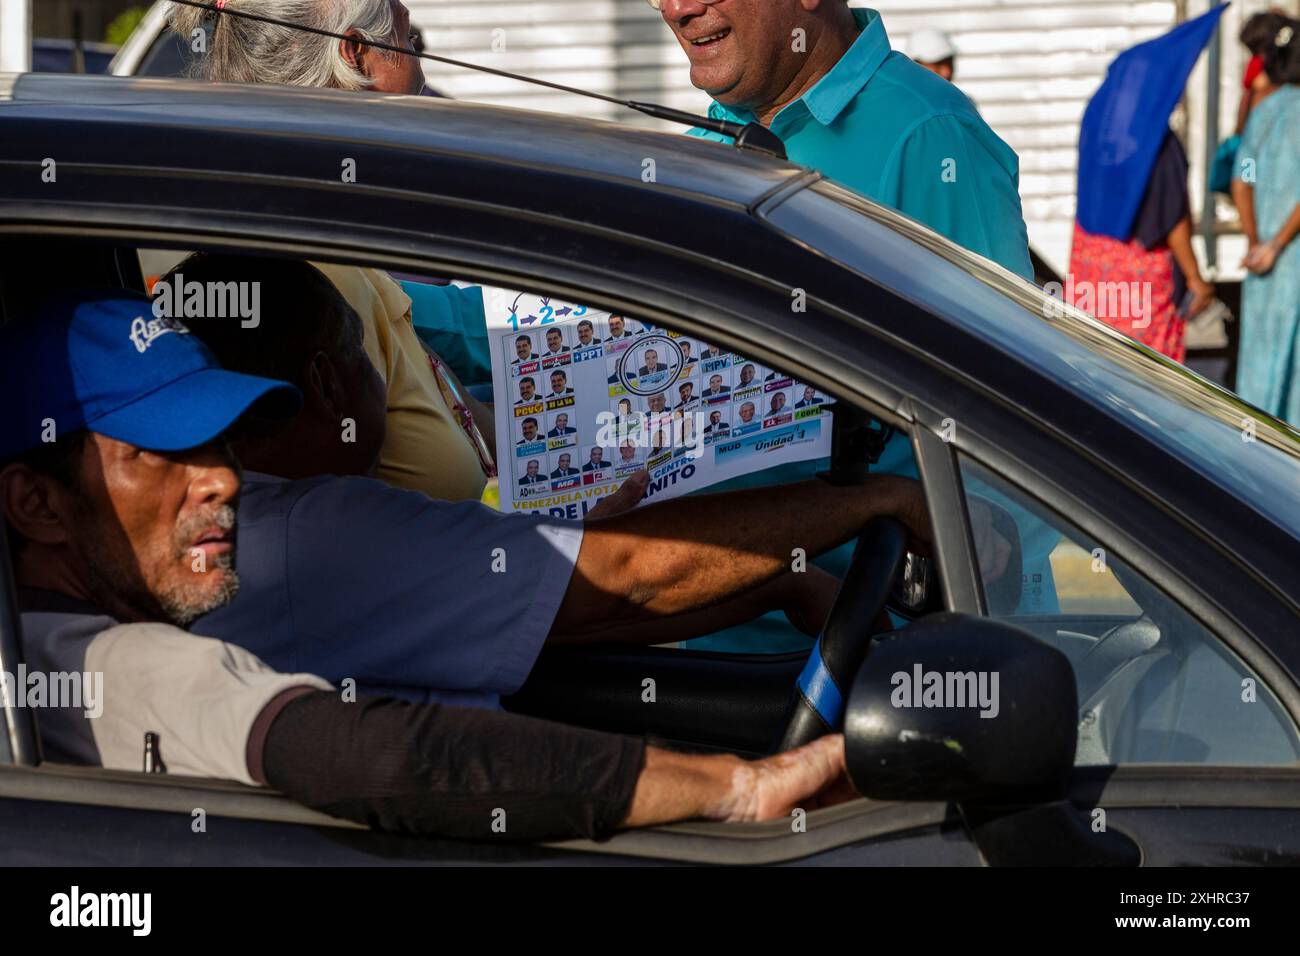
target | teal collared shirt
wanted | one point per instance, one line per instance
(901, 135)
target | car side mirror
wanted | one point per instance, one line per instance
(961, 708)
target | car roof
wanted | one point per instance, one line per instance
(277, 115)
(613, 178)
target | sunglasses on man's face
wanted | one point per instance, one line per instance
(659, 3)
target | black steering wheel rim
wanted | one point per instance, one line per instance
(817, 704)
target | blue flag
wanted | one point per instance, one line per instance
(1126, 121)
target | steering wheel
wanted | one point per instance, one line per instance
(817, 704)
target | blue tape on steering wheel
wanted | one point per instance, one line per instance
(819, 687)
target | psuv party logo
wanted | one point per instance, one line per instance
(650, 366)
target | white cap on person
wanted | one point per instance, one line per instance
(930, 46)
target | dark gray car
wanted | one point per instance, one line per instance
(1175, 505)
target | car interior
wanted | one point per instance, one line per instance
(1154, 685)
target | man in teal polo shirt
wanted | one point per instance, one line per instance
(822, 77)
(844, 104)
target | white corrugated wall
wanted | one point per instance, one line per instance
(1029, 65)
(617, 47)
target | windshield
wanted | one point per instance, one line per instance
(1250, 454)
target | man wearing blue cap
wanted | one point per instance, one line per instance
(122, 501)
(119, 490)
(100, 388)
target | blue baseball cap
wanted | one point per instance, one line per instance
(104, 362)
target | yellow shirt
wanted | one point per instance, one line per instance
(426, 449)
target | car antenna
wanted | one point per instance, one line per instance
(752, 136)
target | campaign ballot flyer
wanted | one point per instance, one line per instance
(584, 399)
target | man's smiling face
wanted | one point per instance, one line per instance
(738, 48)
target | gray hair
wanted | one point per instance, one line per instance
(249, 51)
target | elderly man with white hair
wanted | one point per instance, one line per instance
(242, 50)
(432, 445)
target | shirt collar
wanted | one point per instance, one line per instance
(834, 91)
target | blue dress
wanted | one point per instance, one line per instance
(1268, 373)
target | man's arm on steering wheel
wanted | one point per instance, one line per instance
(805, 597)
(691, 553)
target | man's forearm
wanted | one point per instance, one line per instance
(694, 552)
(487, 775)
(676, 786)
(723, 787)
(804, 596)
(451, 772)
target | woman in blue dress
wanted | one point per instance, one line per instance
(1266, 190)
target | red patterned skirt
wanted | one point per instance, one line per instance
(1128, 287)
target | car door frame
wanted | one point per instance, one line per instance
(870, 386)
(1144, 802)
(860, 824)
